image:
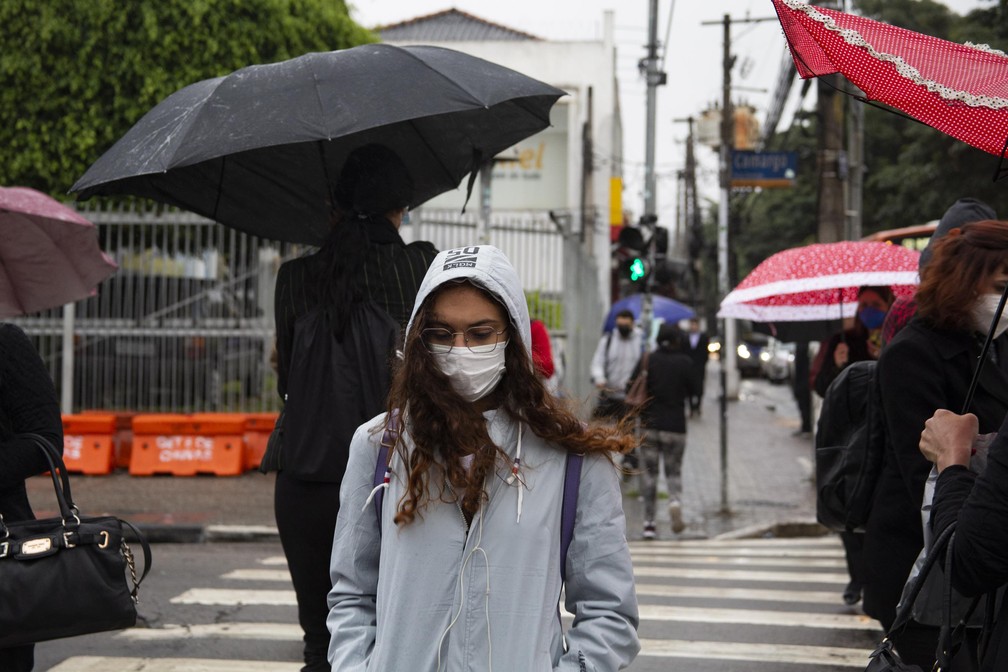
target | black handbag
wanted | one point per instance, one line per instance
(66, 576)
(885, 658)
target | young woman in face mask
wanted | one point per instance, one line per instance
(462, 569)
(862, 341)
(928, 366)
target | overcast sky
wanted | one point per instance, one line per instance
(693, 63)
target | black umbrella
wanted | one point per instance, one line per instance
(257, 149)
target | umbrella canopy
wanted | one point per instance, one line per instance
(961, 90)
(49, 254)
(258, 149)
(820, 281)
(668, 310)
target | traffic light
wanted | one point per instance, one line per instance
(630, 257)
(636, 269)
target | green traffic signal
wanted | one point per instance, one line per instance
(636, 269)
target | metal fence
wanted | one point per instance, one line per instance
(187, 322)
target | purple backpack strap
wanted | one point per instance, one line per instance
(389, 439)
(568, 510)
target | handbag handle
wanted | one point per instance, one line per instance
(60, 479)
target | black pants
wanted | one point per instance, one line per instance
(18, 658)
(306, 519)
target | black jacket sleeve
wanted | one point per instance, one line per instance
(980, 505)
(28, 404)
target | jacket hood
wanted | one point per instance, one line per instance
(487, 267)
(963, 211)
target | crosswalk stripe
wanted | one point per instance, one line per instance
(741, 575)
(105, 663)
(274, 560)
(258, 575)
(224, 596)
(664, 559)
(755, 652)
(790, 619)
(728, 551)
(711, 592)
(778, 542)
(244, 630)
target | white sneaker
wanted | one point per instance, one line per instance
(675, 517)
(649, 530)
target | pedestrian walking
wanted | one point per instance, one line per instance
(614, 360)
(364, 261)
(27, 405)
(927, 366)
(461, 564)
(671, 384)
(697, 348)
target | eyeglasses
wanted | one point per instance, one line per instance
(437, 339)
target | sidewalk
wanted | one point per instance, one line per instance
(770, 490)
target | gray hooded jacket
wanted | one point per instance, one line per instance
(438, 594)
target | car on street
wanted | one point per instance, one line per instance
(777, 361)
(749, 353)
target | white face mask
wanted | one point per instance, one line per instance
(473, 373)
(983, 314)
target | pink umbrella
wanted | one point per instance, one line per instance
(820, 281)
(961, 90)
(49, 254)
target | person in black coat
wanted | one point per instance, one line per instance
(27, 405)
(928, 366)
(978, 505)
(671, 382)
(696, 346)
(363, 258)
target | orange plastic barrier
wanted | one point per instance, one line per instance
(88, 443)
(186, 445)
(123, 437)
(258, 427)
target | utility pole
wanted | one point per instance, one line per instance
(654, 77)
(726, 327)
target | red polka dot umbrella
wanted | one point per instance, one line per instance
(820, 282)
(959, 89)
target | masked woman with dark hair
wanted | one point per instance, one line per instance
(460, 568)
(364, 258)
(860, 342)
(928, 366)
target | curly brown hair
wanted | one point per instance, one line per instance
(961, 262)
(443, 427)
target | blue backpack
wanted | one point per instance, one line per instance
(568, 510)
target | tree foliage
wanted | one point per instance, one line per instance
(77, 74)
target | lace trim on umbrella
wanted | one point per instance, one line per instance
(905, 70)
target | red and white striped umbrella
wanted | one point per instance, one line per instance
(959, 89)
(820, 281)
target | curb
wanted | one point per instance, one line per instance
(779, 530)
(198, 534)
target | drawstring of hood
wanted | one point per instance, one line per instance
(513, 478)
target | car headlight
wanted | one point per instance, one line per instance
(743, 351)
(764, 356)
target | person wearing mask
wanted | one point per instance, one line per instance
(860, 342)
(364, 258)
(461, 566)
(614, 360)
(27, 405)
(671, 384)
(696, 347)
(928, 366)
(963, 211)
